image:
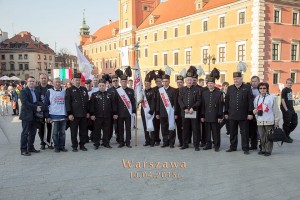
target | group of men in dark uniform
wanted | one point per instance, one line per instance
(192, 112)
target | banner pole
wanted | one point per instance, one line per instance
(135, 121)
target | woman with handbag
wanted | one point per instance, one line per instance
(267, 113)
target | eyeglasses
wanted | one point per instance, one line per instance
(262, 88)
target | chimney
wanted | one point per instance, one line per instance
(109, 22)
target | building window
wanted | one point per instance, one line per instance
(188, 57)
(176, 58)
(12, 67)
(146, 52)
(146, 8)
(188, 29)
(115, 45)
(294, 76)
(50, 57)
(165, 59)
(25, 56)
(3, 57)
(294, 52)
(139, 53)
(205, 25)
(155, 60)
(175, 32)
(275, 77)
(204, 54)
(222, 22)
(242, 17)
(165, 35)
(106, 48)
(45, 66)
(45, 57)
(11, 57)
(222, 78)
(126, 24)
(20, 66)
(277, 16)
(26, 67)
(155, 36)
(146, 37)
(3, 66)
(115, 63)
(222, 54)
(241, 52)
(275, 51)
(110, 64)
(109, 46)
(20, 57)
(295, 18)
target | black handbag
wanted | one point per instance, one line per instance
(277, 135)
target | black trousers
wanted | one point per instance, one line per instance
(42, 131)
(28, 135)
(113, 126)
(101, 124)
(168, 136)
(149, 136)
(203, 136)
(290, 121)
(179, 129)
(191, 127)
(127, 122)
(81, 123)
(16, 110)
(253, 133)
(212, 129)
(244, 130)
(226, 123)
(156, 130)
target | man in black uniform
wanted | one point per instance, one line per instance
(239, 109)
(102, 109)
(125, 102)
(113, 92)
(78, 112)
(149, 96)
(189, 101)
(212, 114)
(168, 132)
(180, 84)
(158, 82)
(42, 91)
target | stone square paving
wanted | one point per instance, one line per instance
(100, 174)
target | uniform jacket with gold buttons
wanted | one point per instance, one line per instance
(77, 101)
(189, 98)
(239, 102)
(102, 104)
(212, 105)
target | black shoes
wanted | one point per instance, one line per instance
(43, 147)
(261, 153)
(107, 146)
(217, 149)
(172, 146)
(146, 144)
(289, 139)
(151, 145)
(34, 151)
(121, 145)
(164, 145)
(157, 143)
(25, 153)
(246, 152)
(75, 150)
(63, 149)
(267, 154)
(50, 147)
(197, 149)
(57, 150)
(128, 145)
(96, 147)
(207, 148)
(230, 150)
(252, 148)
(82, 148)
(184, 147)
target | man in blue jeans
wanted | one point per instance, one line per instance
(56, 113)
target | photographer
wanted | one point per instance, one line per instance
(267, 114)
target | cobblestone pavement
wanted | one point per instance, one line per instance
(100, 174)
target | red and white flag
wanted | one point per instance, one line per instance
(138, 84)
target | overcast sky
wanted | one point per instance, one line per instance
(55, 20)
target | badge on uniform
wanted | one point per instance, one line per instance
(84, 93)
(74, 90)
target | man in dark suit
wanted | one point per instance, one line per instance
(78, 112)
(158, 82)
(239, 110)
(30, 105)
(168, 132)
(212, 114)
(179, 126)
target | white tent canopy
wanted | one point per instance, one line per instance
(4, 78)
(14, 78)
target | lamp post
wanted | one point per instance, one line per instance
(209, 59)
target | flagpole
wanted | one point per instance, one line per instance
(136, 62)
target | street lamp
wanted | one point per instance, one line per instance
(209, 59)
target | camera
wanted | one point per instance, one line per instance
(260, 113)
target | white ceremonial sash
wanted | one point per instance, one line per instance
(127, 103)
(146, 107)
(170, 110)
